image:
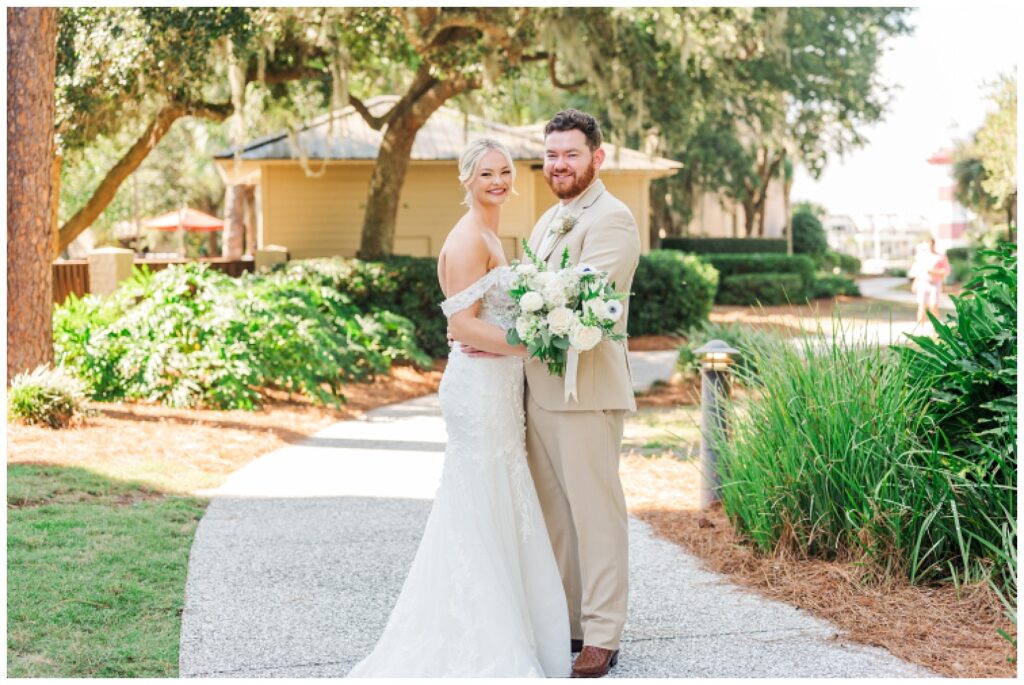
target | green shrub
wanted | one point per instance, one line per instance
(735, 264)
(835, 457)
(46, 396)
(191, 336)
(672, 292)
(406, 286)
(761, 288)
(808, 235)
(849, 264)
(960, 270)
(830, 286)
(971, 369)
(961, 254)
(725, 245)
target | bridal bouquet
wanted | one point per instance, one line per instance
(561, 310)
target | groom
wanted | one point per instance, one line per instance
(573, 445)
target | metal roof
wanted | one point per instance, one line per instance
(344, 135)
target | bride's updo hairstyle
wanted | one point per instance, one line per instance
(470, 158)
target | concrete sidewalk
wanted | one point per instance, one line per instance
(302, 554)
(888, 288)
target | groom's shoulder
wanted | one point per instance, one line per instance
(614, 209)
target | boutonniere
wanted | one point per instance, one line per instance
(566, 224)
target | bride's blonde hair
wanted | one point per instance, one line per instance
(470, 158)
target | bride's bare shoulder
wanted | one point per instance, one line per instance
(464, 258)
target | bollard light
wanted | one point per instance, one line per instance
(715, 360)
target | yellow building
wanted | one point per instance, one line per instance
(311, 187)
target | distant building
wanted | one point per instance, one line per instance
(880, 241)
(948, 217)
(717, 216)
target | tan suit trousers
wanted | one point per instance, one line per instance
(574, 460)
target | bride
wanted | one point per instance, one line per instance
(483, 596)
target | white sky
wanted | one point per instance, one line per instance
(941, 71)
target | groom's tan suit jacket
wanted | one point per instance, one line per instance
(605, 237)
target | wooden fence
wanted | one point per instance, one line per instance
(72, 275)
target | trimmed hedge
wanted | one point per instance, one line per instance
(846, 263)
(725, 245)
(830, 286)
(736, 264)
(672, 292)
(761, 288)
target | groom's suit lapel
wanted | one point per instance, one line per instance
(578, 209)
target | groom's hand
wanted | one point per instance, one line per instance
(473, 352)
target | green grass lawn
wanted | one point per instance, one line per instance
(95, 574)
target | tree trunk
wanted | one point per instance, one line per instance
(378, 237)
(250, 220)
(234, 222)
(749, 215)
(423, 98)
(31, 61)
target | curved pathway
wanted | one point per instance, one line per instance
(303, 551)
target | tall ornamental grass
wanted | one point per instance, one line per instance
(837, 457)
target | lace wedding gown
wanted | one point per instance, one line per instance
(483, 597)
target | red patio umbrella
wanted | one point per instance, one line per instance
(186, 219)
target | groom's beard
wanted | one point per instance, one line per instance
(581, 183)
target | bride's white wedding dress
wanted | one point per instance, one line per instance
(483, 596)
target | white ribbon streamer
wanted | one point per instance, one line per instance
(572, 362)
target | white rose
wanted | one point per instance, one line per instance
(526, 269)
(560, 320)
(531, 301)
(584, 338)
(526, 326)
(613, 310)
(597, 307)
(554, 294)
(542, 279)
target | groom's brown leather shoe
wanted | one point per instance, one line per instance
(575, 646)
(594, 662)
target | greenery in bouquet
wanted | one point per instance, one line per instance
(570, 308)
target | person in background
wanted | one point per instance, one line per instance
(929, 270)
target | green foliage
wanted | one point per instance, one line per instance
(761, 288)
(404, 286)
(96, 573)
(971, 368)
(985, 168)
(837, 457)
(672, 292)
(743, 338)
(735, 264)
(46, 396)
(725, 245)
(849, 264)
(808, 235)
(829, 286)
(191, 336)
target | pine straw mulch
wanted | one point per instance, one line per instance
(188, 449)
(931, 626)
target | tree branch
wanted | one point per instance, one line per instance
(554, 76)
(376, 123)
(131, 160)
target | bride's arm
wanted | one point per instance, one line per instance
(465, 264)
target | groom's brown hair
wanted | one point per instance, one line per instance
(573, 119)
